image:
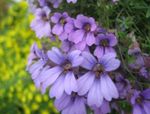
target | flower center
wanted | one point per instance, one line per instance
(98, 69)
(104, 42)
(139, 100)
(44, 17)
(62, 21)
(73, 94)
(67, 66)
(87, 27)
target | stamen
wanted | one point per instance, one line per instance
(98, 69)
(104, 42)
(87, 27)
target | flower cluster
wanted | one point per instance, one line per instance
(84, 72)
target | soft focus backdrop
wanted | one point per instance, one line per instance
(18, 94)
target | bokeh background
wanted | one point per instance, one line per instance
(18, 94)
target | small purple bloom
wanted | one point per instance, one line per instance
(71, 104)
(139, 64)
(144, 72)
(36, 61)
(123, 86)
(96, 83)
(104, 44)
(73, 1)
(61, 75)
(60, 20)
(35, 53)
(41, 23)
(42, 2)
(141, 102)
(84, 33)
(55, 3)
(67, 46)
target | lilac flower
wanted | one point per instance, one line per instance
(71, 104)
(55, 3)
(67, 46)
(96, 83)
(41, 23)
(105, 44)
(139, 64)
(73, 1)
(123, 86)
(61, 75)
(84, 34)
(141, 102)
(60, 20)
(42, 3)
(70, 29)
(144, 72)
(104, 109)
(32, 6)
(36, 61)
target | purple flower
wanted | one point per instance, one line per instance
(139, 63)
(144, 72)
(67, 46)
(123, 86)
(41, 23)
(104, 109)
(73, 1)
(105, 44)
(61, 75)
(71, 104)
(84, 33)
(60, 20)
(36, 61)
(141, 102)
(96, 83)
(42, 2)
(32, 6)
(55, 3)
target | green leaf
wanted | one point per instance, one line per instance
(148, 13)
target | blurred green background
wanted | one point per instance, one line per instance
(18, 94)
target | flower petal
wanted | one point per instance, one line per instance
(99, 51)
(70, 83)
(95, 96)
(77, 36)
(57, 88)
(108, 88)
(85, 83)
(89, 60)
(49, 77)
(90, 39)
(146, 106)
(75, 58)
(137, 109)
(63, 102)
(112, 65)
(79, 22)
(107, 57)
(57, 29)
(146, 93)
(55, 55)
(81, 45)
(56, 17)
